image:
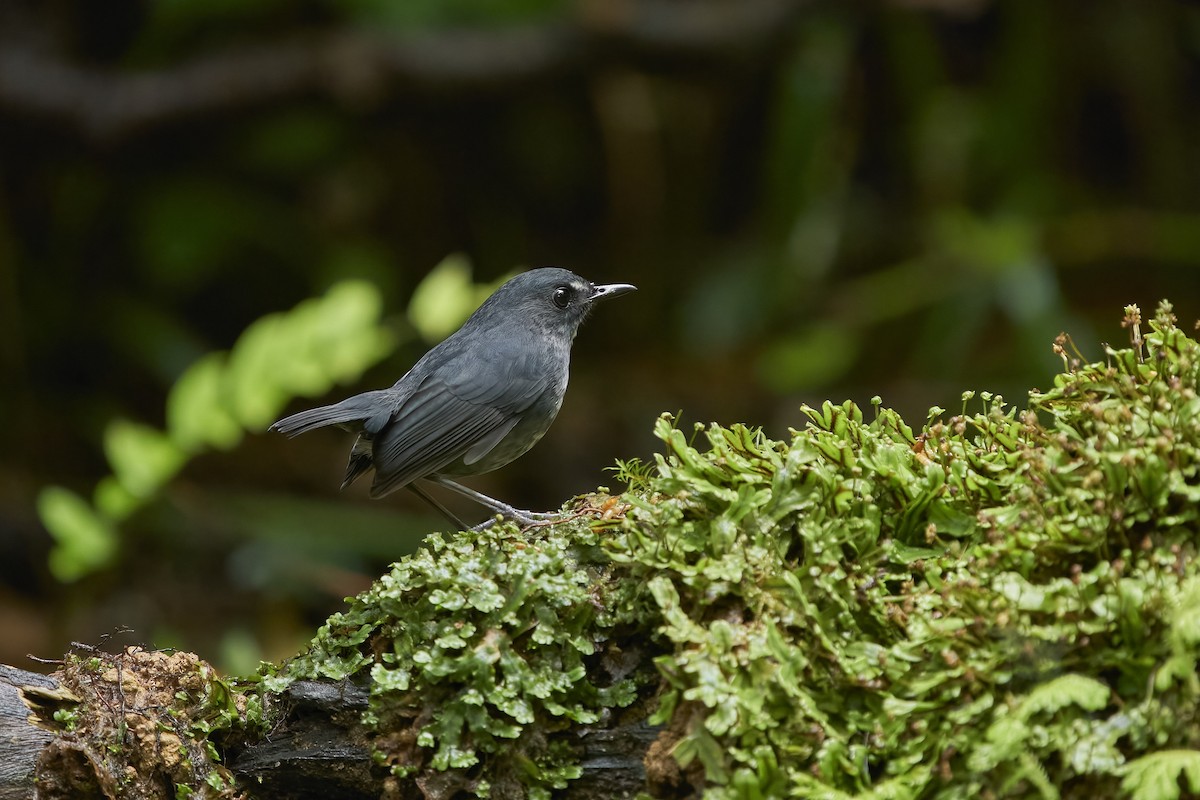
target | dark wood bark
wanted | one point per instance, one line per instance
(22, 738)
(321, 752)
(316, 748)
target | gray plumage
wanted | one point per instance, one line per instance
(477, 400)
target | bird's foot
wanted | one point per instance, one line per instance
(525, 519)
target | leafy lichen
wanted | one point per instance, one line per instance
(1006, 604)
(483, 644)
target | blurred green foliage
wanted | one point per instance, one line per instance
(446, 297)
(424, 14)
(302, 353)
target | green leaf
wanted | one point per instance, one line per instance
(1185, 622)
(906, 554)
(84, 542)
(1156, 776)
(321, 342)
(113, 500)
(1087, 693)
(445, 298)
(197, 416)
(142, 458)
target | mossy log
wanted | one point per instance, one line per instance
(317, 747)
(1002, 603)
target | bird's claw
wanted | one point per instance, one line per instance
(524, 519)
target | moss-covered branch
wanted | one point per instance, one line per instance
(1004, 604)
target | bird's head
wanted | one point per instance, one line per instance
(549, 298)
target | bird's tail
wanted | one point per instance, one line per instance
(358, 409)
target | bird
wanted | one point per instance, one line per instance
(474, 402)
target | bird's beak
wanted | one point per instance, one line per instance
(610, 290)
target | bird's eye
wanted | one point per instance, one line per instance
(562, 296)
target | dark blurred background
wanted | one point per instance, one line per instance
(817, 200)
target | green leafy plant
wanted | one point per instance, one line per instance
(1156, 776)
(482, 644)
(982, 607)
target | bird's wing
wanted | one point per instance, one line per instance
(453, 414)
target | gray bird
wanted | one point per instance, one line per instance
(477, 400)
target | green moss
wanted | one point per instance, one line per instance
(1005, 603)
(480, 644)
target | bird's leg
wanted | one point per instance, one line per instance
(519, 516)
(447, 513)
